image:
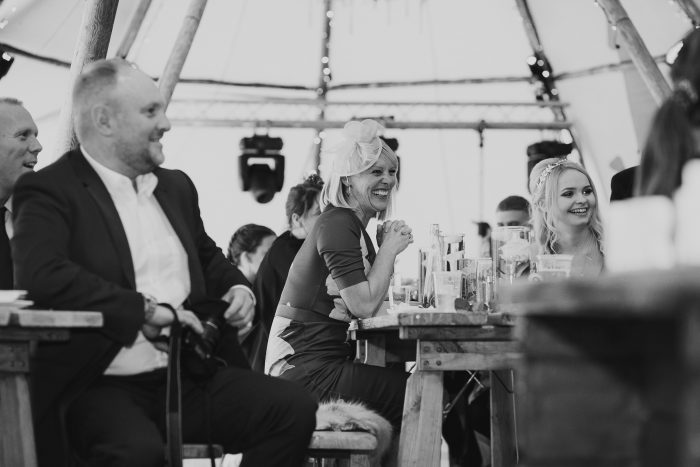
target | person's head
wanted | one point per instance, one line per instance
(513, 211)
(362, 174)
(248, 247)
(674, 136)
(119, 117)
(19, 146)
(302, 206)
(564, 200)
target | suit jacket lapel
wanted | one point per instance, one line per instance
(98, 191)
(174, 214)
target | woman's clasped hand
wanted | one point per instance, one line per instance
(395, 234)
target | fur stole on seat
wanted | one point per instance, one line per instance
(354, 416)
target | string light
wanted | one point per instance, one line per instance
(543, 77)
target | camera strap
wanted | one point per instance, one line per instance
(173, 422)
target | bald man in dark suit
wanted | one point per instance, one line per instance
(105, 228)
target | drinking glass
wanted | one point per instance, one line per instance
(448, 285)
(551, 267)
(484, 284)
(511, 252)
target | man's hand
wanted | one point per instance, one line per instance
(164, 317)
(242, 310)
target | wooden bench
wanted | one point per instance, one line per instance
(351, 448)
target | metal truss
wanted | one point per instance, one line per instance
(304, 113)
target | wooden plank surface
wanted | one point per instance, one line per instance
(645, 293)
(33, 334)
(57, 319)
(426, 318)
(442, 319)
(450, 355)
(461, 333)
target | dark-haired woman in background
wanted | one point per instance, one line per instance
(302, 211)
(247, 248)
(674, 137)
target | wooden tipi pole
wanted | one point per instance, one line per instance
(134, 27)
(176, 61)
(642, 59)
(93, 41)
(691, 9)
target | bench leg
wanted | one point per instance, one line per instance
(16, 429)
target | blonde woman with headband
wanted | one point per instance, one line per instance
(337, 276)
(565, 215)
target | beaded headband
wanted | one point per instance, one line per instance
(545, 173)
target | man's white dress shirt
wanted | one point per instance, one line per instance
(160, 261)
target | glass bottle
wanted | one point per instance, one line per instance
(433, 263)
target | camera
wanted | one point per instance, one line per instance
(199, 350)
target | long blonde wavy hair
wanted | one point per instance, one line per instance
(544, 179)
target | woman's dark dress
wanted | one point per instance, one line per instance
(308, 339)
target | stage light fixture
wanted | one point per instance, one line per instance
(6, 61)
(261, 166)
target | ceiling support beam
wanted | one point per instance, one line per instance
(632, 41)
(691, 9)
(134, 27)
(403, 125)
(183, 43)
(92, 45)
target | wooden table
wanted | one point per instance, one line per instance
(18, 330)
(440, 342)
(611, 370)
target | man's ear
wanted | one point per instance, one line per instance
(295, 220)
(103, 119)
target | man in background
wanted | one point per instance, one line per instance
(19, 149)
(513, 211)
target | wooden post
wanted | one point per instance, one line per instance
(93, 41)
(134, 27)
(171, 73)
(691, 9)
(617, 17)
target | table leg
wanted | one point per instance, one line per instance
(503, 440)
(421, 427)
(16, 430)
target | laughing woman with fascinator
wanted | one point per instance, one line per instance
(565, 215)
(338, 276)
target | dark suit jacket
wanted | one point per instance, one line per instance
(622, 184)
(71, 252)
